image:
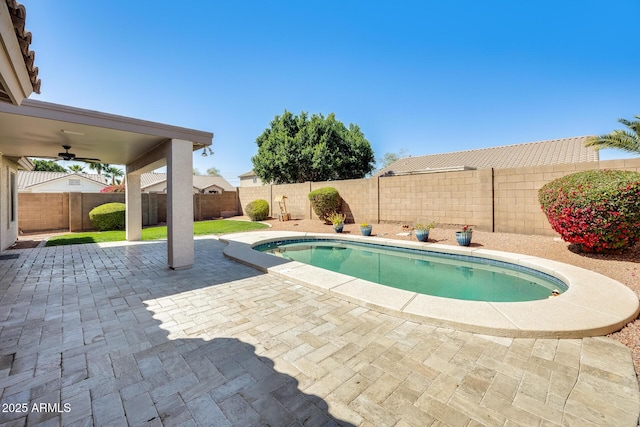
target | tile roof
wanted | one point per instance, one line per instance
(551, 152)
(199, 181)
(18, 17)
(27, 179)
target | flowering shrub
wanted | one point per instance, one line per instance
(117, 188)
(598, 210)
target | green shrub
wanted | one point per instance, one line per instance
(598, 210)
(110, 216)
(325, 201)
(257, 210)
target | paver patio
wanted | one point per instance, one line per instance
(107, 335)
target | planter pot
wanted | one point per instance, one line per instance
(422, 235)
(366, 231)
(338, 227)
(463, 238)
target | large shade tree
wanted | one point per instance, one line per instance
(317, 148)
(47, 166)
(627, 140)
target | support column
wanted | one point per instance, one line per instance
(133, 202)
(180, 204)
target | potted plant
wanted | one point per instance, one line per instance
(365, 229)
(337, 219)
(464, 236)
(422, 230)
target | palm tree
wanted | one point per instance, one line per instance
(113, 172)
(98, 167)
(621, 139)
(76, 168)
(213, 172)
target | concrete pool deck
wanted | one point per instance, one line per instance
(112, 334)
(583, 310)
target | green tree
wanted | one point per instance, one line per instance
(621, 139)
(299, 148)
(76, 168)
(213, 172)
(47, 166)
(196, 171)
(113, 173)
(389, 158)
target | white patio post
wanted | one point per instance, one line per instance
(180, 204)
(134, 207)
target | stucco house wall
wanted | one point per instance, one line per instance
(8, 202)
(67, 184)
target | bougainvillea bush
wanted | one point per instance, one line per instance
(598, 209)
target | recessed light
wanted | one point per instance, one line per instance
(72, 132)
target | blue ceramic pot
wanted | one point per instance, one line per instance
(366, 231)
(463, 238)
(422, 235)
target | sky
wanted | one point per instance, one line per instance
(419, 77)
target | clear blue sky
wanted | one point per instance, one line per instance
(425, 76)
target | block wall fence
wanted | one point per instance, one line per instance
(498, 200)
(70, 211)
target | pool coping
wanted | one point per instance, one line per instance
(593, 305)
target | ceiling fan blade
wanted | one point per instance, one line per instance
(87, 159)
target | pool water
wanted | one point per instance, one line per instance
(426, 272)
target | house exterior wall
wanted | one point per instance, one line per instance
(160, 187)
(63, 185)
(251, 181)
(8, 203)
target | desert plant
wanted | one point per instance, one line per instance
(423, 225)
(325, 201)
(110, 216)
(336, 218)
(257, 210)
(599, 210)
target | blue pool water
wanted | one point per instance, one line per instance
(427, 272)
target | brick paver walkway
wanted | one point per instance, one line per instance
(110, 337)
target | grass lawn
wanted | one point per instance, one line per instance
(154, 233)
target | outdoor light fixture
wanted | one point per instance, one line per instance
(207, 151)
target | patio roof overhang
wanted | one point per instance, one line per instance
(39, 129)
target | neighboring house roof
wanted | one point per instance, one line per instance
(18, 17)
(28, 179)
(199, 181)
(551, 152)
(249, 174)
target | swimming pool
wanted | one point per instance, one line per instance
(426, 272)
(592, 304)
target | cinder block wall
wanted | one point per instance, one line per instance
(501, 200)
(516, 193)
(43, 211)
(463, 197)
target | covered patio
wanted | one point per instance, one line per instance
(40, 129)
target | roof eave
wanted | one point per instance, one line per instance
(14, 75)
